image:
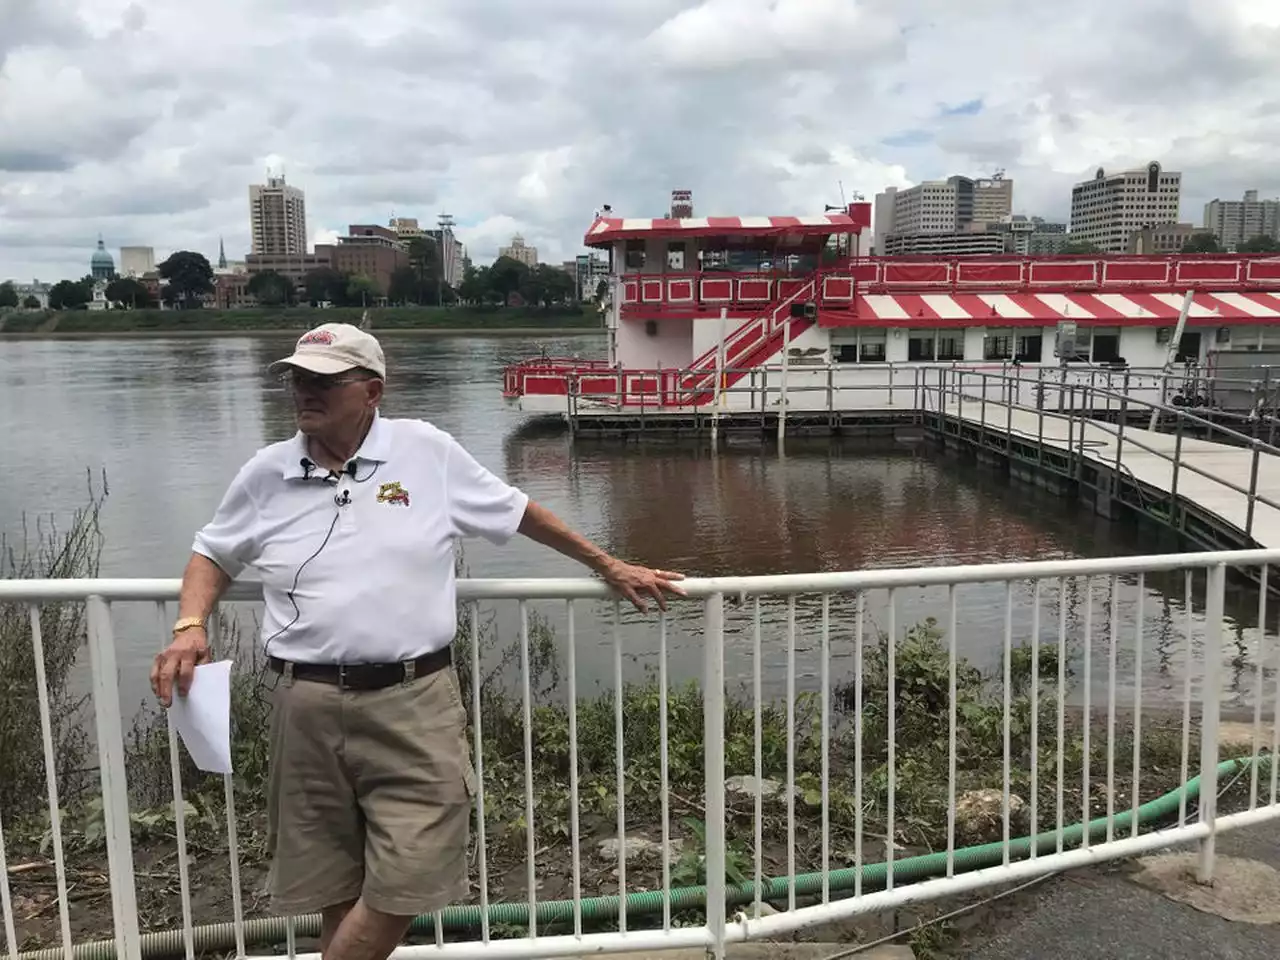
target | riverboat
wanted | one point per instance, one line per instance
(695, 306)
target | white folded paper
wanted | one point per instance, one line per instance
(203, 717)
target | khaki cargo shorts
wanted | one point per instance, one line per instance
(369, 796)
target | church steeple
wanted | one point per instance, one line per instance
(222, 255)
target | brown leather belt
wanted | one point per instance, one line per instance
(365, 676)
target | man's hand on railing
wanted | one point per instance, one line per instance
(636, 583)
(176, 665)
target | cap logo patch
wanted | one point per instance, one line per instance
(316, 337)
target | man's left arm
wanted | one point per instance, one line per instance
(481, 504)
(632, 581)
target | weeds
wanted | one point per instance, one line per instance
(43, 550)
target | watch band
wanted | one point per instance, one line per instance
(188, 623)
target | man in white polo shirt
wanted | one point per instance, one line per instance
(351, 525)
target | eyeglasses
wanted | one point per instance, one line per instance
(316, 381)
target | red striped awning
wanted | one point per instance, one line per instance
(605, 230)
(1043, 309)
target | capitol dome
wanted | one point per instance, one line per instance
(101, 264)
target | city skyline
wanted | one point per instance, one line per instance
(489, 113)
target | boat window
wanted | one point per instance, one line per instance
(921, 345)
(1105, 345)
(1084, 342)
(997, 345)
(924, 346)
(635, 255)
(675, 255)
(844, 352)
(1030, 347)
(859, 346)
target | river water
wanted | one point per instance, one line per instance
(169, 421)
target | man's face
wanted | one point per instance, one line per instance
(327, 403)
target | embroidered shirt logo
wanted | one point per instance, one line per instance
(393, 493)
(316, 337)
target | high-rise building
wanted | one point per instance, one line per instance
(277, 218)
(992, 200)
(520, 251)
(137, 261)
(1107, 209)
(953, 206)
(1236, 222)
(1030, 236)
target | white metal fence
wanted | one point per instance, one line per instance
(868, 784)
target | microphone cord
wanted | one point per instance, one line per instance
(307, 466)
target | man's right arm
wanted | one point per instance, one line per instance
(203, 583)
(221, 550)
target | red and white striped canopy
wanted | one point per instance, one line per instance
(605, 230)
(1042, 309)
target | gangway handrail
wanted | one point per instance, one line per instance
(1127, 398)
(1251, 494)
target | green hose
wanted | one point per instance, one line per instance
(273, 930)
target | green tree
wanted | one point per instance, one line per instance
(31, 303)
(602, 289)
(475, 285)
(1072, 247)
(406, 286)
(505, 277)
(8, 294)
(130, 292)
(544, 285)
(325, 284)
(1202, 243)
(425, 261)
(272, 289)
(362, 291)
(1260, 245)
(70, 294)
(190, 276)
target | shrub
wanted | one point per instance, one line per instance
(44, 550)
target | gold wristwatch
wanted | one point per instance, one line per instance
(187, 623)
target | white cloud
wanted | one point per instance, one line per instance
(147, 122)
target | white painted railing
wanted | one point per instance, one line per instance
(849, 762)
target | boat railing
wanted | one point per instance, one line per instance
(863, 748)
(851, 387)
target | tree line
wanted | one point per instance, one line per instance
(190, 278)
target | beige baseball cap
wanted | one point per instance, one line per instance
(335, 348)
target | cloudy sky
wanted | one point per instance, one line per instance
(145, 120)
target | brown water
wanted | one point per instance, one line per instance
(171, 420)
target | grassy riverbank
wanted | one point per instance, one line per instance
(437, 320)
(920, 788)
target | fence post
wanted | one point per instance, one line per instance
(1215, 589)
(1253, 490)
(1177, 463)
(115, 793)
(713, 737)
(1124, 415)
(782, 395)
(572, 404)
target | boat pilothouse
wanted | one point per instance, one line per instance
(697, 304)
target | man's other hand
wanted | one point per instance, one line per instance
(176, 665)
(638, 583)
